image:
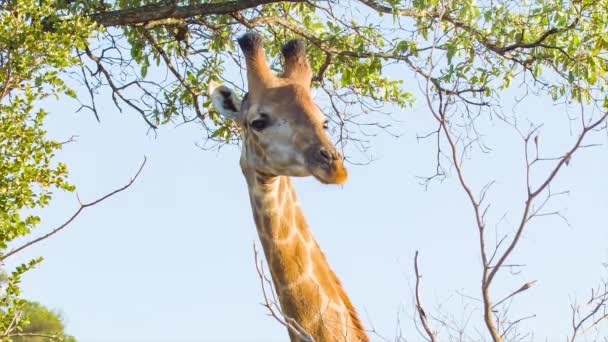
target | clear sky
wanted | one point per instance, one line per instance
(171, 258)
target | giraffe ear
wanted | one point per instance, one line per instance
(224, 100)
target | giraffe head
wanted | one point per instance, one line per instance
(282, 129)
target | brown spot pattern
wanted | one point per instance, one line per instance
(308, 290)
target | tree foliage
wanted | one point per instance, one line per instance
(31, 60)
(42, 325)
(559, 46)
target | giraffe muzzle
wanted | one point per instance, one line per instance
(328, 166)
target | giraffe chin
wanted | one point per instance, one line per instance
(337, 174)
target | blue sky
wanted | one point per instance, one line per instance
(171, 258)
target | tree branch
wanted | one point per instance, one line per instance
(533, 194)
(419, 309)
(83, 206)
(47, 336)
(115, 89)
(144, 14)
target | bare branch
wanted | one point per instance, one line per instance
(115, 89)
(534, 193)
(421, 314)
(595, 315)
(82, 207)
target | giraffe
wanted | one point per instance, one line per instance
(283, 135)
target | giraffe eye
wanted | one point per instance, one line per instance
(325, 124)
(258, 125)
(261, 123)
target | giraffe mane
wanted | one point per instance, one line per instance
(352, 312)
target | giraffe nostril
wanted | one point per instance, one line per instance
(326, 154)
(330, 155)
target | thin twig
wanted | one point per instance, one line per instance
(523, 288)
(291, 324)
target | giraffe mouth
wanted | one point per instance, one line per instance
(334, 173)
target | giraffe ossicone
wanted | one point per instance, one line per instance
(283, 135)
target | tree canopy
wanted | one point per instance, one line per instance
(469, 50)
(43, 325)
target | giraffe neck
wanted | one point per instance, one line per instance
(307, 288)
